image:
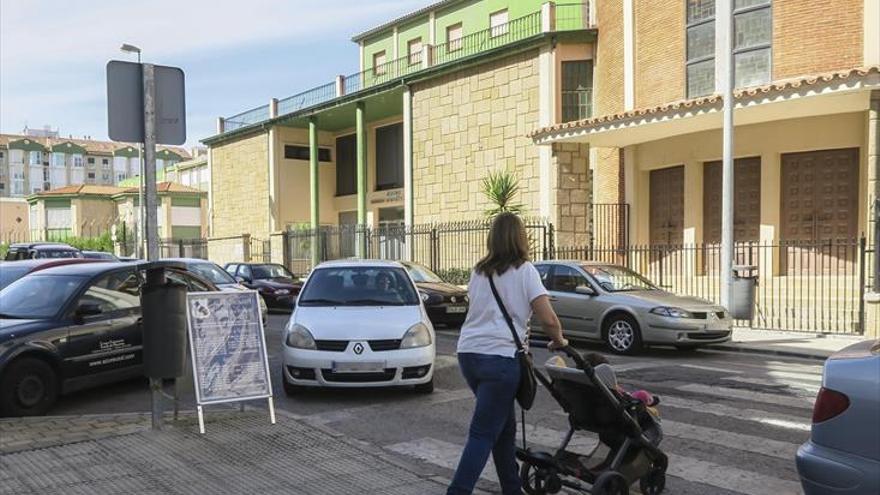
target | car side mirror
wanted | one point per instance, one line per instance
(584, 290)
(86, 309)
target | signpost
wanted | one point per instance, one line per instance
(146, 104)
(229, 358)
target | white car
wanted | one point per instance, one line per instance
(358, 323)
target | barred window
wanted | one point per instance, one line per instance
(577, 90)
(414, 51)
(753, 38)
(700, 64)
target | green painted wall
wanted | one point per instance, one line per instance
(69, 148)
(186, 201)
(56, 203)
(128, 152)
(186, 232)
(473, 15)
(26, 145)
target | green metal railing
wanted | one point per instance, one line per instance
(487, 39)
(567, 17)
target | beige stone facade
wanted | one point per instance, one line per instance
(14, 220)
(573, 198)
(240, 187)
(468, 123)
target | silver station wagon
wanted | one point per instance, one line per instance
(611, 303)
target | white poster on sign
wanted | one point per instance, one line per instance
(229, 357)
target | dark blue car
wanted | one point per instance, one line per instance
(67, 328)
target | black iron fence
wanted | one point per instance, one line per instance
(810, 286)
(450, 249)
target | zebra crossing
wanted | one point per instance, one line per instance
(734, 429)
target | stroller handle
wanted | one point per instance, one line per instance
(567, 350)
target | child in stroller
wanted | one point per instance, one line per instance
(629, 436)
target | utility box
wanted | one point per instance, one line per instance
(163, 308)
(743, 291)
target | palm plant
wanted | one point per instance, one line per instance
(500, 188)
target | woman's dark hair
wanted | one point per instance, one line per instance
(507, 243)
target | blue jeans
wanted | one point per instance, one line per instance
(494, 381)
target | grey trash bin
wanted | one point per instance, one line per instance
(742, 294)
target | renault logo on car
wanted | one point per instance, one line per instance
(359, 348)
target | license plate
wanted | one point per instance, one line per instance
(358, 366)
(456, 309)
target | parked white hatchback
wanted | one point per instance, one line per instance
(358, 323)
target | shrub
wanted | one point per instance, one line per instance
(457, 276)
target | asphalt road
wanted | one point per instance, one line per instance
(732, 421)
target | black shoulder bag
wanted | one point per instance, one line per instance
(528, 386)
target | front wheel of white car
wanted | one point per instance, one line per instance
(622, 334)
(425, 388)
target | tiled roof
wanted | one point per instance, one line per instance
(706, 101)
(92, 146)
(165, 187)
(80, 189)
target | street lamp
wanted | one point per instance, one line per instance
(139, 232)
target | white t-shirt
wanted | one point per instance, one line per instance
(484, 330)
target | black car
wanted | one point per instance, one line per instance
(34, 250)
(71, 327)
(100, 255)
(275, 283)
(446, 304)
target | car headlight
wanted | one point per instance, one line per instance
(299, 337)
(424, 295)
(417, 336)
(467, 299)
(281, 292)
(672, 312)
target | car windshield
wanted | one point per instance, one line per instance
(10, 273)
(37, 296)
(615, 278)
(359, 286)
(270, 271)
(211, 272)
(58, 253)
(420, 273)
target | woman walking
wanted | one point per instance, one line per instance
(487, 350)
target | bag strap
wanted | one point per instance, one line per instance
(504, 312)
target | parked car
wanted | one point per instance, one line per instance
(100, 255)
(212, 272)
(611, 303)
(843, 452)
(446, 304)
(275, 283)
(71, 327)
(358, 323)
(32, 250)
(10, 271)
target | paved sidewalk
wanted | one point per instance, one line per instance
(797, 344)
(241, 453)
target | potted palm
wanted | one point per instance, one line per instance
(500, 188)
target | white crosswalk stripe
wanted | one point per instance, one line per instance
(703, 404)
(748, 395)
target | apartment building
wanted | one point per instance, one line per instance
(30, 164)
(610, 101)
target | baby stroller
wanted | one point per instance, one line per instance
(629, 437)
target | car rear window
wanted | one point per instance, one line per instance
(359, 286)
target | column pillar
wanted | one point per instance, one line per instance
(407, 168)
(872, 296)
(313, 183)
(361, 153)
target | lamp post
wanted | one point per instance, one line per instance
(727, 167)
(139, 232)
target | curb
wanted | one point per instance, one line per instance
(772, 352)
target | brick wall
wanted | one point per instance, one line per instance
(468, 123)
(608, 84)
(659, 51)
(811, 37)
(607, 176)
(240, 187)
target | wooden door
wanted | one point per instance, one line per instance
(667, 206)
(746, 200)
(819, 209)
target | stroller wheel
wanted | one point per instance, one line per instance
(539, 481)
(610, 483)
(654, 482)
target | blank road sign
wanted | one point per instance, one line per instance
(125, 103)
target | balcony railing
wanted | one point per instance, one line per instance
(556, 18)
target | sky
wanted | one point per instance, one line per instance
(236, 54)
